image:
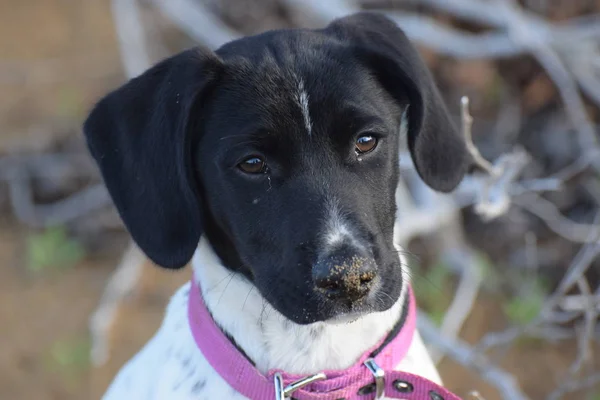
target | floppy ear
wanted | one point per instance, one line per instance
(141, 135)
(437, 149)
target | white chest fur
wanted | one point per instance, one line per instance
(171, 366)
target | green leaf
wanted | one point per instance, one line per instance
(437, 317)
(438, 275)
(486, 268)
(70, 356)
(431, 290)
(69, 103)
(52, 249)
(594, 396)
(493, 91)
(524, 309)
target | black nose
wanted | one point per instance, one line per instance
(344, 274)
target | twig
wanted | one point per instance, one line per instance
(467, 124)
(61, 212)
(589, 84)
(466, 356)
(570, 38)
(57, 166)
(121, 283)
(572, 101)
(475, 395)
(580, 264)
(548, 213)
(134, 52)
(539, 38)
(197, 21)
(132, 38)
(573, 386)
(585, 349)
(579, 302)
(424, 216)
(421, 29)
(494, 198)
(575, 275)
(465, 294)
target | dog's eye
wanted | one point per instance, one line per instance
(253, 165)
(365, 144)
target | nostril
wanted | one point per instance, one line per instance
(324, 279)
(328, 284)
(367, 277)
(347, 276)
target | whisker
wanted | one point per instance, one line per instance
(265, 302)
(239, 135)
(408, 254)
(220, 282)
(247, 296)
(232, 275)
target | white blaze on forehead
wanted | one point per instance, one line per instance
(302, 98)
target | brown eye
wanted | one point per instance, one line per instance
(253, 165)
(365, 144)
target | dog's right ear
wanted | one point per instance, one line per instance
(141, 135)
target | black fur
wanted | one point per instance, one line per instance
(168, 144)
(141, 139)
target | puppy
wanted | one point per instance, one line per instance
(272, 164)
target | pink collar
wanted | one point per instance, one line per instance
(370, 378)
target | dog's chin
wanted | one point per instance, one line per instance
(336, 313)
(354, 313)
(344, 319)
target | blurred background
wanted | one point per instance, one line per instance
(505, 268)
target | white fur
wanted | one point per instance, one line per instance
(336, 230)
(171, 366)
(302, 97)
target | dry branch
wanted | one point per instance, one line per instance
(121, 284)
(195, 19)
(131, 35)
(466, 356)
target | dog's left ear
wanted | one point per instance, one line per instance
(437, 149)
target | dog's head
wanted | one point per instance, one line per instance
(282, 149)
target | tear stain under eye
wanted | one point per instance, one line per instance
(270, 186)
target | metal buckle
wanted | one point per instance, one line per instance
(379, 376)
(282, 393)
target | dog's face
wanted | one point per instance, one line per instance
(283, 150)
(298, 165)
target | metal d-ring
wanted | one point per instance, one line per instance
(282, 393)
(379, 376)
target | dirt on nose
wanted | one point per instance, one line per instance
(352, 274)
